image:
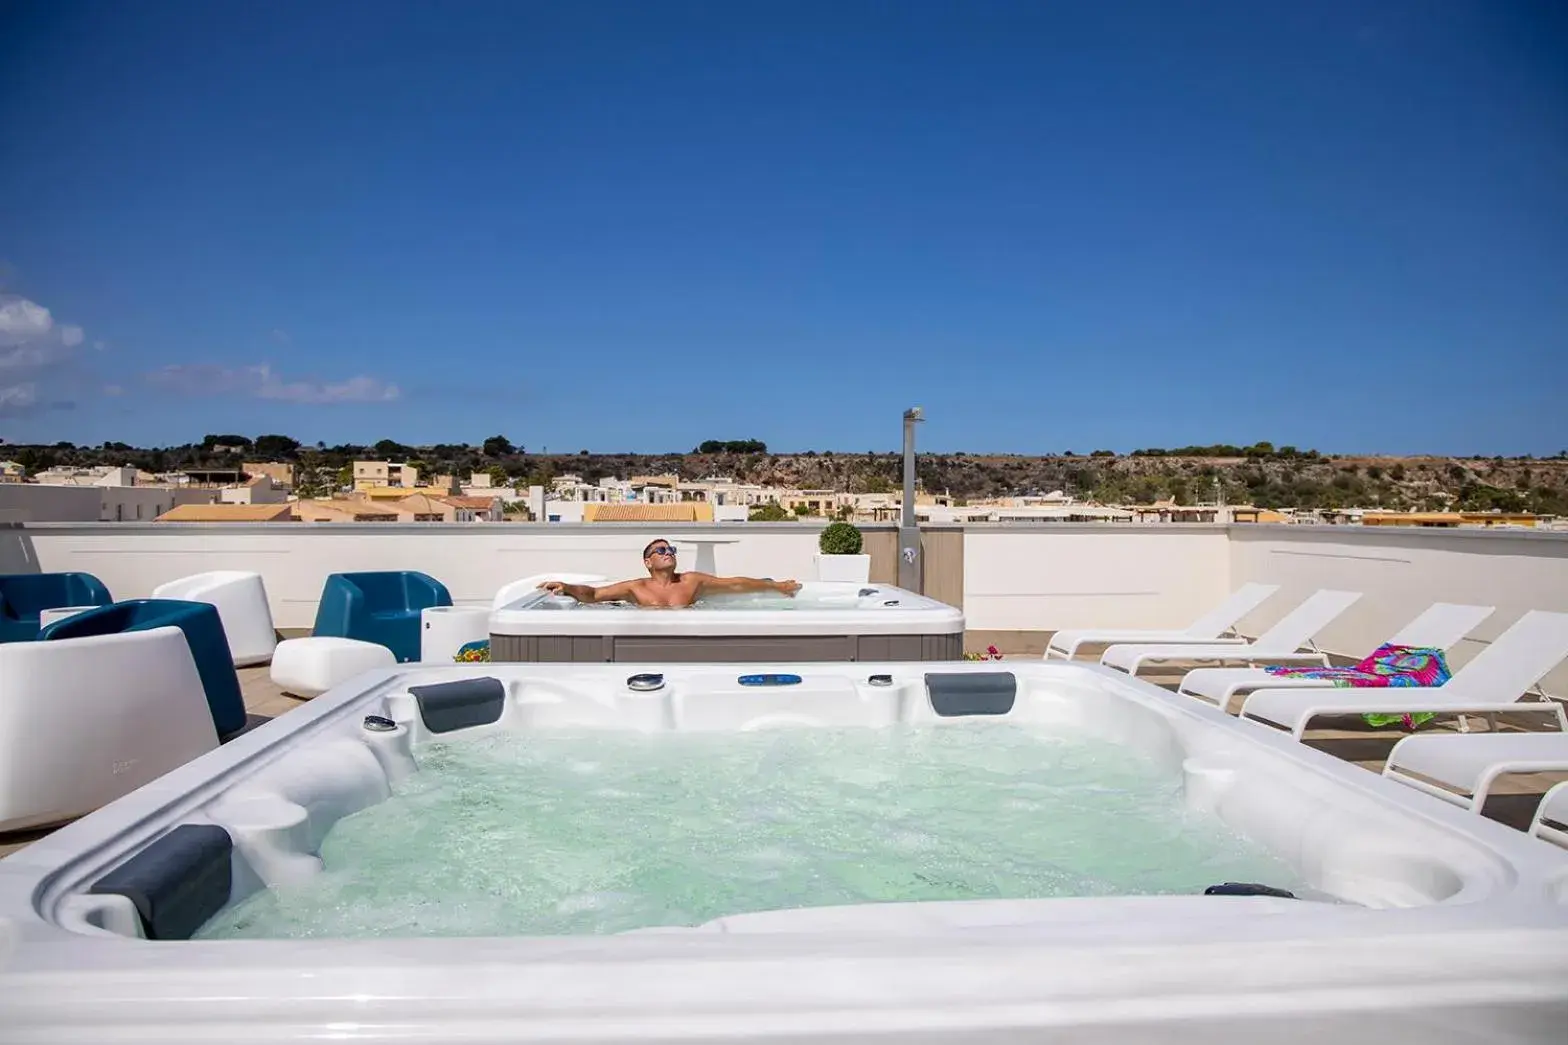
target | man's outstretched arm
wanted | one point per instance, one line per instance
(587, 593)
(708, 582)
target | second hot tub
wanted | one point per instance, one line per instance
(821, 622)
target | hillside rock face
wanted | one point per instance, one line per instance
(1259, 474)
(1427, 483)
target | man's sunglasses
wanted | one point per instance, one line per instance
(661, 549)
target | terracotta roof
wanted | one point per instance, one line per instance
(228, 513)
(417, 504)
(481, 503)
(690, 511)
(342, 510)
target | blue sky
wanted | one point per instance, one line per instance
(637, 226)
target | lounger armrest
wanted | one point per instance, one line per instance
(1476, 799)
(1311, 704)
(1552, 810)
(1068, 647)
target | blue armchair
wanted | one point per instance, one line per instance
(382, 607)
(204, 635)
(24, 595)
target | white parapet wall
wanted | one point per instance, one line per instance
(1014, 577)
(1401, 571)
(1046, 578)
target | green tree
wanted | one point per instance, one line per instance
(276, 447)
(210, 441)
(498, 446)
(391, 450)
(312, 477)
(770, 512)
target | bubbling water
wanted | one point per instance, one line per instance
(602, 832)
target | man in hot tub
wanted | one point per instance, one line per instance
(664, 587)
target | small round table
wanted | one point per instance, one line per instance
(446, 631)
(49, 616)
(704, 561)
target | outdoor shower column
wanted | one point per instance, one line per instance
(911, 563)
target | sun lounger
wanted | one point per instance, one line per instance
(1209, 628)
(1280, 644)
(1551, 818)
(1462, 769)
(1438, 627)
(1490, 684)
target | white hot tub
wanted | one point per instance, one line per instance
(824, 621)
(1410, 919)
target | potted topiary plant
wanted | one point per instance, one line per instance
(841, 559)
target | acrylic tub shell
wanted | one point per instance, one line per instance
(1452, 927)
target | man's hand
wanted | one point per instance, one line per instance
(786, 587)
(571, 591)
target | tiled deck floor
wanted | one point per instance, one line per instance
(1513, 801)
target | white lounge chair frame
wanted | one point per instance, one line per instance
(1552, 810)
(1490, 685)
(1280, 644)
(1440, 626)
(1470, 765)
(1212, 627)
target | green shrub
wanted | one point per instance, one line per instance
(840, 538)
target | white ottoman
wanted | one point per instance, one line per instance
(241, 600)
(309, 667)
(444, 631)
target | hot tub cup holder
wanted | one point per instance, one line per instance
(274, 835)
(1204, 783)
(646, 682)
(393, 747)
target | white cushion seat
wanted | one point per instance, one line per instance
(241, 599)
(85, 721)
(308, 667)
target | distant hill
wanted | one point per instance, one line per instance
(1259, 474)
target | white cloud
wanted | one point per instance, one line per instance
(16, 398)
(260, 382)
(35, 355)
(22, 320)
(31, 356)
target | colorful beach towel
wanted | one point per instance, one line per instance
(1389, 665)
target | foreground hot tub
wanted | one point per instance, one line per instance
(1429, 924)
(822, 622)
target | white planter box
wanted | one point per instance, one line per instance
(844, 569)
